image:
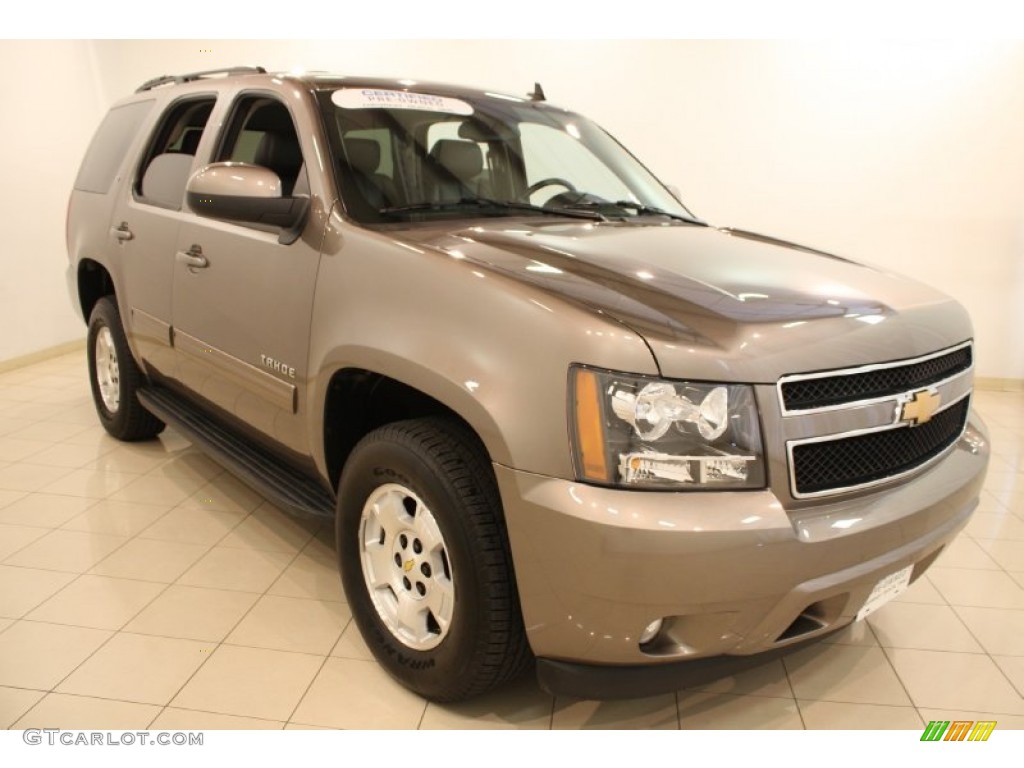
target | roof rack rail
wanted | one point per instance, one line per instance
(188, 78)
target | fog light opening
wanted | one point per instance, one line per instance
(650, 631)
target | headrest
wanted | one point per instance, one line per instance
(363, 155)
(280, 153)
(463, 159)
(271, 117)
(190, 142)
(198, 115)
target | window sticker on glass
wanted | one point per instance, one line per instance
(371, 98)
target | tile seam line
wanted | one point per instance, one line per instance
(234, 626)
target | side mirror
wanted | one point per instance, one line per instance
(246, 193)
(674, 191)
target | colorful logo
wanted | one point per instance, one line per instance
(958, 730)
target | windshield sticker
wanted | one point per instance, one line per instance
(372, 98)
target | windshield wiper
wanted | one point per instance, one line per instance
(483, 202)
(639, 208)
(650, 210)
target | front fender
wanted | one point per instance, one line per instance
(490, 348)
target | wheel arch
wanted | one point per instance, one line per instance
(358, 400)
(94, 282)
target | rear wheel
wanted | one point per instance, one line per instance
(115, 377)
(425, 560)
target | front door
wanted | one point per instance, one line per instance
(242, 300)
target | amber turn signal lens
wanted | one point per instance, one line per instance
(593, 461)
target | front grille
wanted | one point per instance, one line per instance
(805, 394)
(849, 462)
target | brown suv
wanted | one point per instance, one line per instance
(552, 414)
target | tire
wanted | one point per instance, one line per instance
(115, 378)
(425, 561)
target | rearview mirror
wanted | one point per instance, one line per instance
(246, 193)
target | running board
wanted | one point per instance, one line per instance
(283, 486)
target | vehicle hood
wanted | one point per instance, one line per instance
(713, 303)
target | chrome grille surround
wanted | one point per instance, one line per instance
(870, 416)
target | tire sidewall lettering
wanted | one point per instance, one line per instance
(393, 475)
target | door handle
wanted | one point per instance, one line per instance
(121, 232)
(192, 258)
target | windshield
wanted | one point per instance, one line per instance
(403, 156)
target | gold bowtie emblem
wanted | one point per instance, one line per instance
(407, 565)
(920, 407)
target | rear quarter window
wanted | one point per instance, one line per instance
(108, 146)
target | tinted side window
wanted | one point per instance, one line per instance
(169, 158)
(108, 146)
(261, 132)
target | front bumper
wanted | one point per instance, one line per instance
(611, 681)
(731, 573)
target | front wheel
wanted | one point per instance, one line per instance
(425, 561)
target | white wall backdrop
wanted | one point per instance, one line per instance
(906, 155)
(51, 104)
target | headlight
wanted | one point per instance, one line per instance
(651, 433)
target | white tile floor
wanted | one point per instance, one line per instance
(142, 586)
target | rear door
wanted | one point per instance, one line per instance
(242, 321)
(146, 222)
